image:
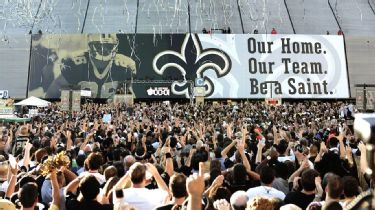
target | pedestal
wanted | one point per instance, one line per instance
(128, 99)
(199, 100)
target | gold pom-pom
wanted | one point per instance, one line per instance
(54, 162)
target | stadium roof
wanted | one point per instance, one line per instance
(355, 17)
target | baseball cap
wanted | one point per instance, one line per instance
(6, 205)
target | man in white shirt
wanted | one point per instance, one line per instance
(94, 162)
(138, 195)
(267, 175)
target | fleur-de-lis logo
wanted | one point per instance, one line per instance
(191, 63)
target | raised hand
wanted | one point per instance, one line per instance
(260, 145)
(240, 146)
(362, 147)
(323, 147)
(219, 180)
(318, 186)
(195, 183)
(304, 164)
(152, 169)
(222, 204)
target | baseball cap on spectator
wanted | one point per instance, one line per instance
(6, 205)
(139, 153)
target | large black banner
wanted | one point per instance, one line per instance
(107, 64)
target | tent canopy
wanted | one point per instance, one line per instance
(33, 101)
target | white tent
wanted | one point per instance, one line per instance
(33, 101)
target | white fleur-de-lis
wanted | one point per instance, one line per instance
(214, 59)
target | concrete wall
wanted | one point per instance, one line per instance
(14, 64)
(356, 18)
(361, 60)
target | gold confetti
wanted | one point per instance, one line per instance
(54, 162)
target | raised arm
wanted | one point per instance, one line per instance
(363, 158)
(241, 150)
(8, 145)
(215, 184)
(69, 141)
(322, 150)
(122, 182)
(195, 188)
(87, 139)
(68, 174)
(297, 173)
(225, 151)
(159, 181)
(230, 130)
(258, 158)
(342, 145)
(169, 169)
(214, 140)
(276, 135)
(245, 161)
(55, 189)
(188, 161)
(12, 181)
(26, 158)
(72, 186)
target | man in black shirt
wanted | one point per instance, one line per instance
(177, 185)
(307, 195)
(89, 187)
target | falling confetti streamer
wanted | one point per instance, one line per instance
(154, 36)
(279, 13)
(126, 10)
(360, 10)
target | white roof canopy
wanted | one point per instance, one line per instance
(33, 101)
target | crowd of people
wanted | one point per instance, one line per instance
(181, 156)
